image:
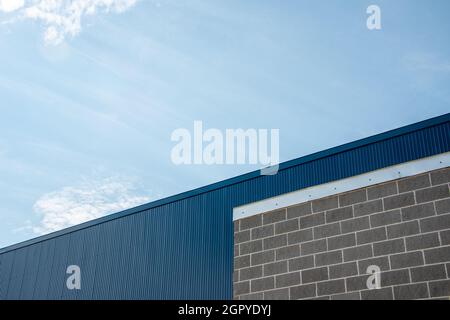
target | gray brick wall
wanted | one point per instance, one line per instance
(321, 249)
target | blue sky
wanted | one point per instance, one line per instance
(88, 107)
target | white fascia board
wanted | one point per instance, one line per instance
(402, 170)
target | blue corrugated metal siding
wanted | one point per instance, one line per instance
(171, 252)
(182, 247)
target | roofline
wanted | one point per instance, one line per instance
(238, 179)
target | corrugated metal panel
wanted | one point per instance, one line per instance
(182, 247)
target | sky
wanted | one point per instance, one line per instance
(91, 91)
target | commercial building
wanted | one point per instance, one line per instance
(309, 232)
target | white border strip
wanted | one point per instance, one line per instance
(356, 182)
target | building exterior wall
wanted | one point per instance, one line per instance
(181, 247)
(175, 251)
(321, 249)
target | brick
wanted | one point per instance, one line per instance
(279, 294)
(320, 298)
(411, 291)
(299, 210)
(250, 247)
(287, 280)
(418, 211)
(346, 296)
(381, 262)
(398, 201)
(414, 183)
(241, 288)
(388, 247)
(392, 278)
(355, 224)
(262, 257)
(440, 289)
(339, 214)
(236, 226)
(366, 208)
(422, 241)
(250, 273)
(405, 260)
(301, 263)
(275, 268)
(445, 237)
(327, 230)
(377, 294)
(443, 206)
(262, 284)
(236, 250)
(250, 222)
(286, 226)
(343, 270)
(303, 292)
(382, 190)
(330, 287)
(314, 275)
(358, 253)
(433, 193)
(311, 247)
(287, 252)
(440, 176)
(235, 276)
(241, 262)
(435, 223)
(327, 258)
(242, 236)
(372, 235)
(403, 229)
(275, 242)
(428, 273)
(312, 220)
(263, 232)
(274, 216)
(300, 236)
(349, 198)
(344, 241)
(252, 296)
(325, 204)
(437, 255)
(385, 218)
(357, 283)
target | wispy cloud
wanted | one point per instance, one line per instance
(426, 62)
(89, 200)
(11, 5)
(61, 18)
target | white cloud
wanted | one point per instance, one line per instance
(89, 200)
(11, 5)
(62, 18)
